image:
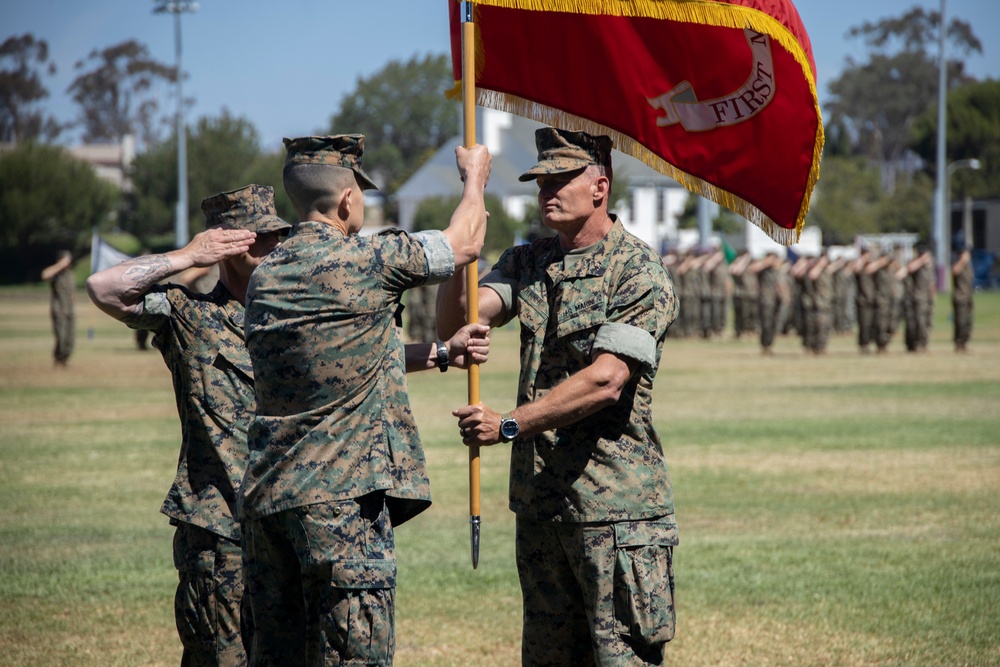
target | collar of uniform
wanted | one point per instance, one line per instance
(593, 263)
(314, 228)
(234, 309)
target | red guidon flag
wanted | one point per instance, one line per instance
(718, 94)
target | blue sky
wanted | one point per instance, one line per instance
(286, 65)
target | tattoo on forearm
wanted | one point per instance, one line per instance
(142, 273)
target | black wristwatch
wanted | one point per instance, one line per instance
(442, 356)
(509, 428)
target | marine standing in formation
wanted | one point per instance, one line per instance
(961, 299)
(769, 300)
(864, 301)
(918, 304)
(588, 479)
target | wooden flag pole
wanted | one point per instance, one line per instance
(472, 269)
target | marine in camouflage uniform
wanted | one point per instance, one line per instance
(336, 462)
(962, 300)
(804, 300)
(840, 305)
(918, 302)
(720, 288)
(201, 339)
(588, 476)
(768, 302)
(821, 277)
(886, 313)
(864, 301)
(63, 284)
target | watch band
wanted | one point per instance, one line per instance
(442, 356)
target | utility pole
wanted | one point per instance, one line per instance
(941, 260)
(177, 7)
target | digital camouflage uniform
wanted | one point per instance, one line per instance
(843, 289)
(767, 304)
(719, 286)
(962, 305)
(820, 316)
(201, 339)
(335, 458)
(886, 313)
(63, 320)
(864, 304)
(923, 304)
(594, 505)
(739, 297)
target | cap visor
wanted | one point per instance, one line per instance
(366, 182)
(268, 223)
(561, 166)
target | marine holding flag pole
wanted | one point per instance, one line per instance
(472, 269)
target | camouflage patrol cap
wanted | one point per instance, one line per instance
(251, 207)
(338, 150)
(563, 150)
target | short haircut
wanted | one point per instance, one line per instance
(316, 187)
(605, 170)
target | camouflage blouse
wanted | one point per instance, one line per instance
(333, 416)
(201, 339)
(615, 297)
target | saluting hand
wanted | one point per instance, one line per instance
(214, 245)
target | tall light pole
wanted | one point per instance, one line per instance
(940, 258)
(177, 7)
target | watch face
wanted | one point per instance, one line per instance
(509, 429)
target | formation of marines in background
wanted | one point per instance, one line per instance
(815, 297)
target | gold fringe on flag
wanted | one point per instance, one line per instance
(707, 12)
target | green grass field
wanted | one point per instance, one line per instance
(835, 510)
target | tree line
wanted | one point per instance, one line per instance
(876, 175)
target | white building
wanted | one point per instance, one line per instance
(112, 162)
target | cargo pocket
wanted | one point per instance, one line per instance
(195, 598)
(644, 580)
(361, 613)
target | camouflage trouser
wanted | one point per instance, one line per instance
(321, 581)
(596, 593)
(819, 325)
(767, 313)
(910, 319)
(963, 320)
(719, 306)
(207, 605)
(62, 327)
(866, 323)
(885, 326)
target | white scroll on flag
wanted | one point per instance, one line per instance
(102, 255)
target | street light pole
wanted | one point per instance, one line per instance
(177, 7)
(940, 258)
